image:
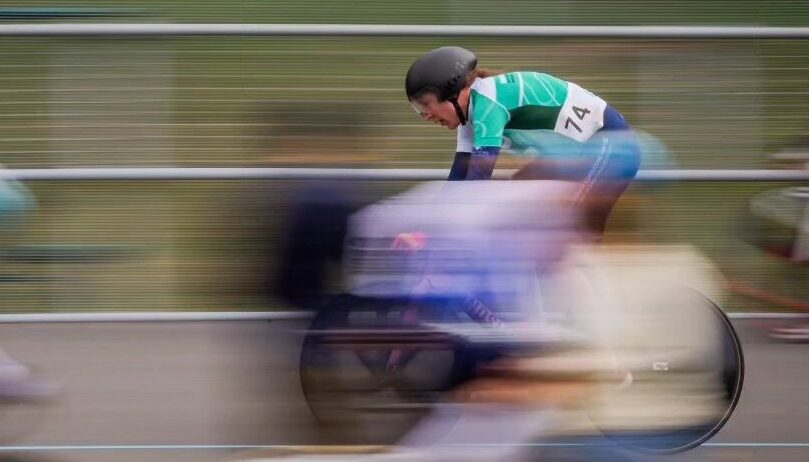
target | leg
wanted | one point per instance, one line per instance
(605, 174)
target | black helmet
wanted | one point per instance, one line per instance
(443, 71)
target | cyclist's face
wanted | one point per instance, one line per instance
(438, 112)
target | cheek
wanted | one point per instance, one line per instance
(448, 112)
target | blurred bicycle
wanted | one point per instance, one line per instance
(496, 300)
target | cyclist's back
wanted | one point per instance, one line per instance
(512, 109)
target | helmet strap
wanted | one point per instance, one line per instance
(461, 115)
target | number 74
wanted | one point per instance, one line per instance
(580, 113)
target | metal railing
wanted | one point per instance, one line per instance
(389, 30)
(215, 316)
(192, 173)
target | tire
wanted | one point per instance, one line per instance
(730, 380)
(733, 374)
(350, 392)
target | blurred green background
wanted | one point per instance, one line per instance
(246, 101)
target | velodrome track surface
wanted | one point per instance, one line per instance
(235, 383)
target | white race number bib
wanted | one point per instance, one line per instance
(582, 114)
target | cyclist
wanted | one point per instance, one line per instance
(18, 383)
(571, 133)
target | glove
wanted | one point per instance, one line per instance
(412, 241)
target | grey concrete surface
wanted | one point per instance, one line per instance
(236, 383)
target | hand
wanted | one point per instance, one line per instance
(412, 241)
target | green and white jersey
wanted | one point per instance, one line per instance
(519, 110)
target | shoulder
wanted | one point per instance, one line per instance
(486, 87)
(485, 96)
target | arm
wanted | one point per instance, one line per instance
(460, 167)
(479, 140)
(481, 163)
(477, 165)
(489, 119)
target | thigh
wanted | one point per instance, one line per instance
(605, 166)
(616, 163)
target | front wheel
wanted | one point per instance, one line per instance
(707, 377)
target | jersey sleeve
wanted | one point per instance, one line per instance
(489, 119)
